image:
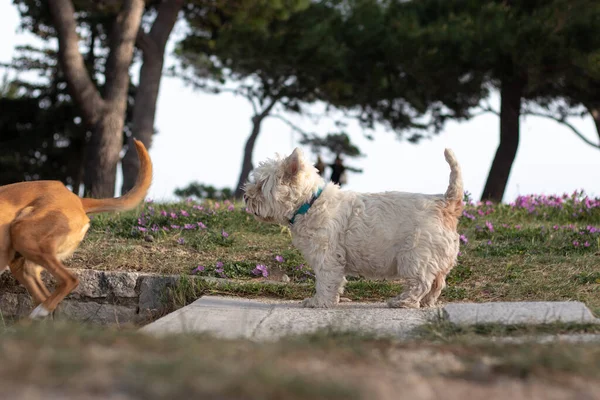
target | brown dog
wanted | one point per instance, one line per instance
(43, 222)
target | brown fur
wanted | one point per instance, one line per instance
(43, 222)
(450, 212)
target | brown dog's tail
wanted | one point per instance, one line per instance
(132, 198)
(455, 191)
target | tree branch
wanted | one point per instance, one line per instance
(81, 86)
(252, 102)
(565, 123)
(144, 43)
(265, 112)
(295, 127)
(164, 22)
(122, 41)
(595, 113)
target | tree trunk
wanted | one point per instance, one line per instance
(247, 165)
(595, 112)
(105, 115)
(144, 112)
(103, 153)
(81, 86)
(107, 136)
(511, 93)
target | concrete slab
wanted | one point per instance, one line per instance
(541, 312)
(228, 317)
(267, 319)
(584, 338)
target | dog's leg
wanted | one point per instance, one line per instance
(38, 236)
(28, 275)
(439, 283)
(418, 287)
(330, 281)
(341, 291)
(66, 283)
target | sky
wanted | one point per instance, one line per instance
(201, 137)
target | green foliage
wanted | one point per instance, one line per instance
(281, 60)
(336, 143)
(41, 130)
(41, 134)
(202, 191)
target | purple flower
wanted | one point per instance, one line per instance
(163, 213)
(154, 228)
(489, 226)
(141, 229)
(489, 242)
(173, 215)
(464, 239)
(467, 215)
(586, 244)
(198, 269)
(279, 259)
(181, 240)
(261, 270)
(189, 226)
(517, 227)
(224, 234)
(231, 207)
(149, 200)
(217, 205)
(201, 225)
(575, 243)
(175, 226)
(219, 269)
(184, 213)
(459, 253)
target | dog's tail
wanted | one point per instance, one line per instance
(455, 191)
(134, 196)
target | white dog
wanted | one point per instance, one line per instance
(343, 233)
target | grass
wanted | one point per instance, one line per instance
(538, 248)
(187, 290)
(448, 332)
(74, 360)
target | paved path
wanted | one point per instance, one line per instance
(261, 319)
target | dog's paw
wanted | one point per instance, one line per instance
(39, 312)
(345, 300)
(396, 303)
(315, 302)
(430, 304)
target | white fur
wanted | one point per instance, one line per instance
(375, 235)
(39, 312)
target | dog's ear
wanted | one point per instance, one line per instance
(294, 162)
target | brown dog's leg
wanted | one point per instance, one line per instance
(28, 274)
(42, 236)
(66, 283)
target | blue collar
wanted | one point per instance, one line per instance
(304, 208)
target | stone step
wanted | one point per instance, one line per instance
(264, 319)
